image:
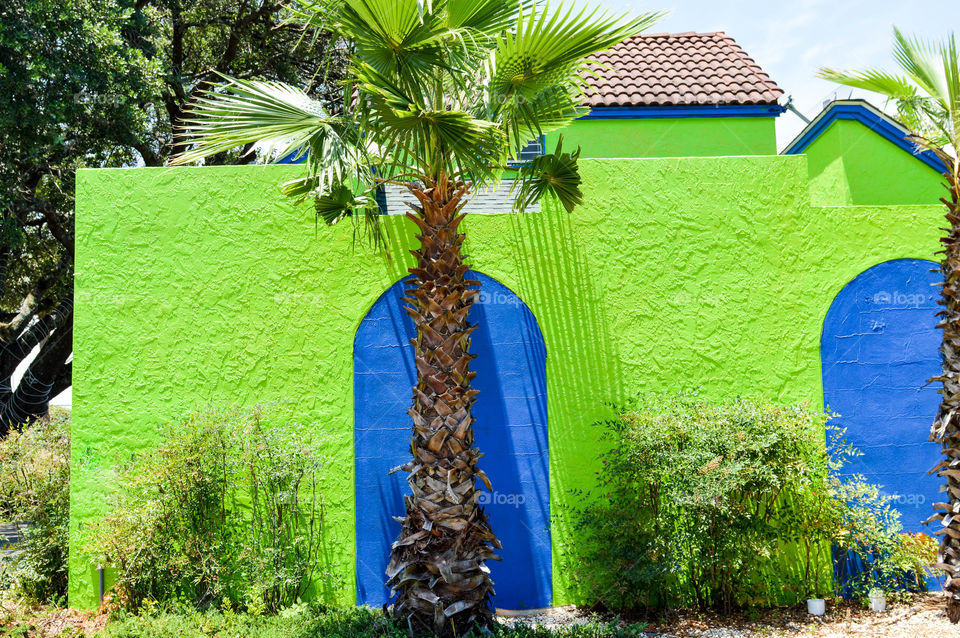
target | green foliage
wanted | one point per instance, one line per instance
(35, 489)
(864, 523)
(689, 496)
(851, 514)
(911, 561)
(554, 172)
(315, 621)
(299, 621)
(592, 629)
(728, 504)
(281, 477)
(226, 512)
(451, 87)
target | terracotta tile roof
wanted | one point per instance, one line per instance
(679, 69)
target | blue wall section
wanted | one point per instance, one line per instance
(511, 429)
(878, 348)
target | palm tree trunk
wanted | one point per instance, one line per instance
(437, 563)
(946, 427)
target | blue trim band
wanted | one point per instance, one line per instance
(876, 123)
(698, 110)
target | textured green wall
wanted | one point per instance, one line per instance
(204, 284)
(851, 165)
(666, 137)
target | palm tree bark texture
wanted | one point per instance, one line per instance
(946, 427)
(437, 565)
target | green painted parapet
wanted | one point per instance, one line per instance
(670, 137)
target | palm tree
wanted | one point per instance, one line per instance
(927, 94)
(441, 96)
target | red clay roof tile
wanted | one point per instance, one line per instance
(662, 69)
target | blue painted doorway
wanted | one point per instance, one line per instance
(511, 429)
(879, 346)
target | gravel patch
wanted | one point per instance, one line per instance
(553, 618)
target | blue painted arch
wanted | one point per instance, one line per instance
(878, 348)
(511, 430)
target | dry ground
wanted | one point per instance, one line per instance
(922, 618)
(49, 622)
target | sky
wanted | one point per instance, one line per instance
(790, 40)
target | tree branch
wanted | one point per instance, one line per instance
(150, 157)
(31, 398)
(64, 379)
(33, 301)
(50, 215)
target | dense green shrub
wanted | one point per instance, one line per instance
(35, 489)
(689, 491)
(727, 504)
(226, 511)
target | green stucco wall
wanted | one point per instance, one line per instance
(203, 284)
(670, 137)
(851, 165)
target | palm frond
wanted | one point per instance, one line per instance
(363, 210)
(951, 70)
(548, 43)
(918, 115)
(897, 87)
(556, 174)
(927, 93)
(537, 67)
(922, 62)
(552, 109)
(341, 202)
(281, 118)
(410, 40)
(435, 141)
(487, 17)
(285, 122)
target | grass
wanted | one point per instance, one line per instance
(301, 621)
(314, 621)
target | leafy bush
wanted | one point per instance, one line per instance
(226, 512)
(851, 514)
(285, 506)
(869, 535)
(913, 559)
(689, 497)
(729, 504)
(35, 495)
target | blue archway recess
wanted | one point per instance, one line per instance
(879, 347)
(511, 430)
